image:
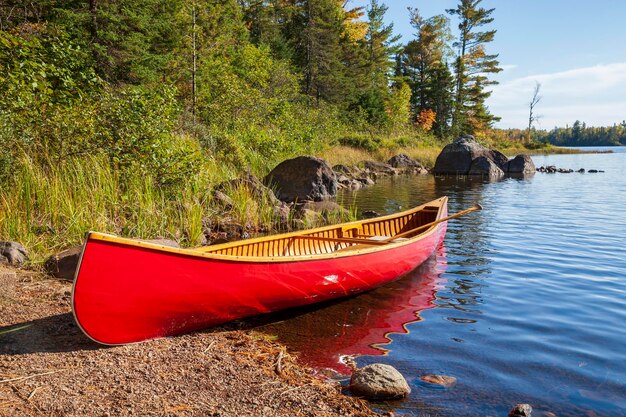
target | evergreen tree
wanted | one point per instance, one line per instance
(267, 21)
(372, 68)
(472, 66)
(381, 46)
(424, 63)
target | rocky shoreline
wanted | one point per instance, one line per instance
(48, 367)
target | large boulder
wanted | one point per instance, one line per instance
(485, 167)
(500, 159)
(456, 158)
(379, 382)
(303, 178)
(12, 253)
(521, 164)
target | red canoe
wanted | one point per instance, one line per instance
(127, 290)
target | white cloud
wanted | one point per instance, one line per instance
(508, 67)
(595, 95)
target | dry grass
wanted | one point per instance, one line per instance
(346, 155)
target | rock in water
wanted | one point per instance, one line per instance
(456, 158)
(303, 178)
(521, 410)
(12, 253)
(521, 164)
(443, 380)
(500, 159)
(486, 167)
(403, 161)
(63, 264)
(379, 382)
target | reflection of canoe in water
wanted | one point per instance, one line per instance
(127, 291)
(362, 325)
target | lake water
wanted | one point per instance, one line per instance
(524, 302)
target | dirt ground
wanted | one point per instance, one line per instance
(49, 368)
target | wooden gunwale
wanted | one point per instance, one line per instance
(284, 243)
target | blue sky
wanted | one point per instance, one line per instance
(576, 49)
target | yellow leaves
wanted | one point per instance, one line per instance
(355, 28)
(425, 119)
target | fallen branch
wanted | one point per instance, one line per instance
(278, 367)
(22, 378)
(209, 347)
(294, 388)
(32, 394)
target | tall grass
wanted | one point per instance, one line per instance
(50, 208)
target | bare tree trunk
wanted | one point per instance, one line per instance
(532, 117)
(93, 10)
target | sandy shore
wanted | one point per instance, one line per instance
(49, 368)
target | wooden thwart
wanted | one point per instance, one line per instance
(391, 239)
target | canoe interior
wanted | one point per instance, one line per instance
(303, 244)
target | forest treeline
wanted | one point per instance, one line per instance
(579, 134)
(122, 115)
(243, 80)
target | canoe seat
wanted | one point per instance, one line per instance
(366, 246)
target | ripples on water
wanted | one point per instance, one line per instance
(526, 301)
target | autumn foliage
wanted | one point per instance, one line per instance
(425, 119)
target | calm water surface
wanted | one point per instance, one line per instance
(525, 301)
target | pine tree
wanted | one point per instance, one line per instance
(472, 66)
(371, 70)
(424, 63)
(381, 46)
(317, 31)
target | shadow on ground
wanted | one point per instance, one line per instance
(57, 333)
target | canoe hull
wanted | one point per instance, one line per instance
(124, 293)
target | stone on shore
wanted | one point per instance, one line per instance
(303, 178)
(485, 167)
(521, 164)
(223, 200)
(521, 410)
(403, 161)
(379, 168)
(406, 164)
(379, 382)
(12, 253)
(63, 264)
